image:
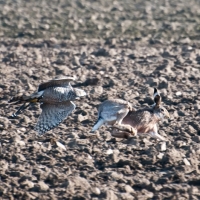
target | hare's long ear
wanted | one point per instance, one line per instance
(157, 97)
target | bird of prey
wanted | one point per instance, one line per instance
(56, 101)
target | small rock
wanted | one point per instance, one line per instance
(185, 40)
(43, 186)
(89, 157)
(96, 150)
(115, 155)
(129, 189)
(116, 176)
(110, 195)
(45, 26)
(97, 90)
(109, 151)
(27, 184)
(20, 143)
(53, 40)
(81, 118)
(145, 195)
(160, 155)
(175, 155)
(76, 61)
(178, 93)
(60, 145)
(82, 142)
(180, 143)
(185, 160)
(126, 196)
(96, 190)
(72, 36)
(23, 129)
(191, 129)
(78, 182)
(163, 146)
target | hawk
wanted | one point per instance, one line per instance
(56, 101)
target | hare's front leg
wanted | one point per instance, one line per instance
(118, 134)
(154, 134)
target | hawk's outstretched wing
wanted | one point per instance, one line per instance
(60, 82)
(52, 115)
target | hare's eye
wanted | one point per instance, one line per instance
(162, 110)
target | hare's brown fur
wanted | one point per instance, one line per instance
(132, 122)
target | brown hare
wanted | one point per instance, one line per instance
(121, 117)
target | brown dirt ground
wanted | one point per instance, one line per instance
(116, 49)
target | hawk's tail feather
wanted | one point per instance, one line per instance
(27, 101)
(20, 109)
(17, 99)
(22, 99)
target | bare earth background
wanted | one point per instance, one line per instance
(116, 49)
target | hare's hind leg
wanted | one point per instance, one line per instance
(121, 114)
(118, 134)
(126, 128)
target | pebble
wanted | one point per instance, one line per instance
(42, 186)
(178, 93)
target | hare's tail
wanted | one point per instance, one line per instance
(99, 123)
